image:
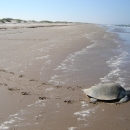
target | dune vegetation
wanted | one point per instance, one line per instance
(11, 20)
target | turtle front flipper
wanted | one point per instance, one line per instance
(93, 100)
(124, 99)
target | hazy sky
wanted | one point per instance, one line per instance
(91, 11)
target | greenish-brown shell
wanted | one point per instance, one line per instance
(109, 91)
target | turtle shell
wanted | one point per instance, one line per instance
(109, 91)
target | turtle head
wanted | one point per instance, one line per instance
(127, 91)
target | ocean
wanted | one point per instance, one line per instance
(120, 63)
(106, 60)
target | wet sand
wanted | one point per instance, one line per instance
(35, 65)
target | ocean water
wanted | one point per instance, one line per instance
(106, 60)
(120, 63)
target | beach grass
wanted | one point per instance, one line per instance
(9, 20)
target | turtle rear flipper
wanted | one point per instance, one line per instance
(124, 99)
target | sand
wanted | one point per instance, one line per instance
(31, 99)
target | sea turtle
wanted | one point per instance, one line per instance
(107, 92)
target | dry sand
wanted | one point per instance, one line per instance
(29, 102)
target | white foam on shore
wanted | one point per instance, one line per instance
(120, 72)
(72, 128)
(49, 89)
(84, 104)
(84, 114)
(115, 64)
(42, 57)
(47, 62)
(21, 118)
(69, 65)
(56, 79)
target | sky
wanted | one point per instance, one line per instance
(88, 11)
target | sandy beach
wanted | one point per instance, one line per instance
(43, 71)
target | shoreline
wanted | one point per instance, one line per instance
(34, 56)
